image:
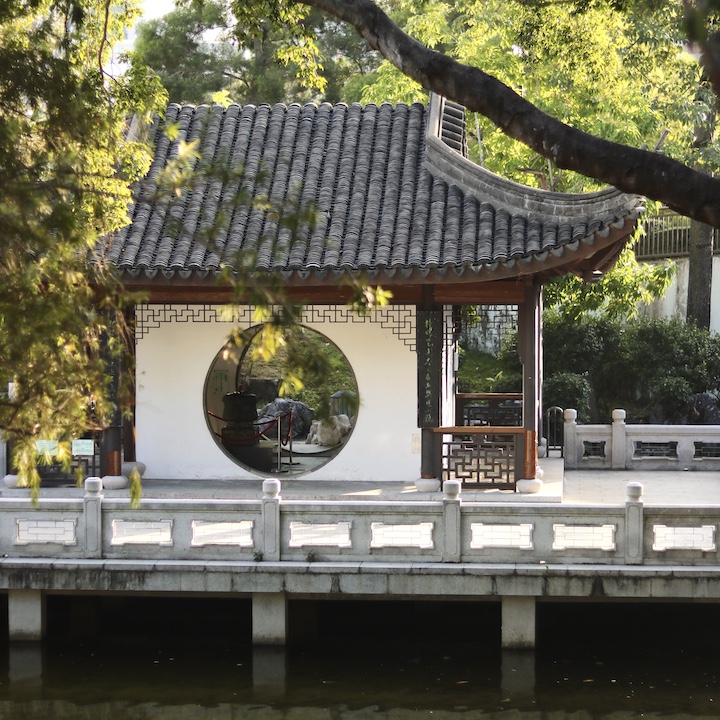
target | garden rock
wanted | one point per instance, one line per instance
(301, 414)
(329, 432)
(705, 410)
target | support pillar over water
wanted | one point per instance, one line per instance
(518, 623)
(518, 675)
(25, 666)
(26, 615)
(269, 618)
(269, 673)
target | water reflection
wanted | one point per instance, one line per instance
(598, 663)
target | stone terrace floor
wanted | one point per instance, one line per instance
(578, 487)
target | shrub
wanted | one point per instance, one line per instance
(477, 371)
(638, 365)
(648, 367)
(568, 390)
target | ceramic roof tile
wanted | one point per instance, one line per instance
(383, 194)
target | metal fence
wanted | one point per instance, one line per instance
(667, 235)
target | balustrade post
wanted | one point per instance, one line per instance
(685, 452)
(634, 524)
(570, 439)
(619, 440)
(452, 529)
(271, 520)
(92, 512)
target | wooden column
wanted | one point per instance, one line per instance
(429, 368)
(111, 440)
(530, 350)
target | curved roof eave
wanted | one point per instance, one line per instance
(443, 161)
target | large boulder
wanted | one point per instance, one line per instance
(705, 410)
(292, 414)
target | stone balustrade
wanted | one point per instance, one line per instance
(273, 550)
(446, 530)
(620, 446)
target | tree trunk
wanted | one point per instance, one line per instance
(700, 247)
(700, 244)
(632, 170)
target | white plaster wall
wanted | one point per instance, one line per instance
(674, 304)
(173, 439)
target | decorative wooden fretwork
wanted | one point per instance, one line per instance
(480, 459)
(399, 319)
(489, 326)
(476, 409)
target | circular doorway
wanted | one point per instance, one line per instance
(281, 402)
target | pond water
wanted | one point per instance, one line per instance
(373, 661)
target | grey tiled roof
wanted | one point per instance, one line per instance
(392, 191)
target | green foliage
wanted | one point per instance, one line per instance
(618, 72)
(65, 174)
(174, 46)
(477, 371)
(596, 363)
(645, 366)
(310, 367)
(674, 394)
(568, 390)
(290, 55)
(617, 294)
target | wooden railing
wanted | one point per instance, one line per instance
(481, 456)
(488, 409)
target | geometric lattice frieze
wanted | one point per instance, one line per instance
(684, 538)
(489, 326)
(399, 319)
(418, 535)
(583, 537)
(222, 533)
(501, 536)
(57, 532)
(139, 532)
(320, 534)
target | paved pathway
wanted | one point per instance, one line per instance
(659, 488)
(584, 487)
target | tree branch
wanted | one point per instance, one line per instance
(687, 191)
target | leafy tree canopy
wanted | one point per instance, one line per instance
(616, 295)
(605, 151)
(621, 75)
(193, 51)
(65, 174)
